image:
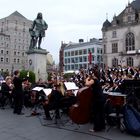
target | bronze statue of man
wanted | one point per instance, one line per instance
(37, 31)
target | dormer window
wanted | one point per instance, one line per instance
(114, 34)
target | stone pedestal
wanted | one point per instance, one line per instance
(37, 62)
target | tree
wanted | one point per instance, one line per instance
(27, 74)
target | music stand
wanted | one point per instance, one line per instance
(71, 86)
(131, 88)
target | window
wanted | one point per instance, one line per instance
(16, 28)
(76, 52)
(2, 59)
(23, 54)
(114, 47)
(18, 60)
(14, 60)
(65, 61)
(2, 51)
(114, 62)
(98, 51)
(130, 62)
(76, 66)
(80, 59)
(76, 59)
(85, 66)
(72, 66)
(1, 29)
(104, 48)
(65, 67)
(68, 67)
(65, 54)
(130, 42)
(80, 52)
(68, 60)
(114, 34)
(7, 60)
(85, 51)
(80, 66)
(98, 58)
(72, 53)
(93, 57)
(68, 53)
(129, 18)
(84, 58)
(72, 60)
(92, 50)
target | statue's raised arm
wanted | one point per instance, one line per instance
(37, 31)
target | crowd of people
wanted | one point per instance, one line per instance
(19, 91)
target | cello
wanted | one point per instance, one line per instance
(80, 113)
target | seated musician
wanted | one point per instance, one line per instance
(67, 101)
(40, 83)
(97, 117)
(53, 102)
(26, 85)
(57, 100)
(6, 90)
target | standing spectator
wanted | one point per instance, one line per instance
(18, 93)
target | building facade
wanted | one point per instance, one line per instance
(121, 37)
(14, 42)
(76, 55)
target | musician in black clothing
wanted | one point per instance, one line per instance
(6, 90)
(18, 93)
(98, 117)
(53, 102)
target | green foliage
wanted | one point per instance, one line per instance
(25, 74)
(49, 76)
(4, 74)
(68, 75)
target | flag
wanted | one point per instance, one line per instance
(90, 57)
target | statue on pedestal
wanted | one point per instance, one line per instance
(37, 32)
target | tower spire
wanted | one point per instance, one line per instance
(106, 16)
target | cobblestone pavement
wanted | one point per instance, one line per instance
(26, 127)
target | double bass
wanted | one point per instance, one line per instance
(80, 112)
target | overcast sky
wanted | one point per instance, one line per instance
(68, 20)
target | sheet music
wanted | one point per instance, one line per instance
(37, 88)
(47, 91)
(71, 86)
